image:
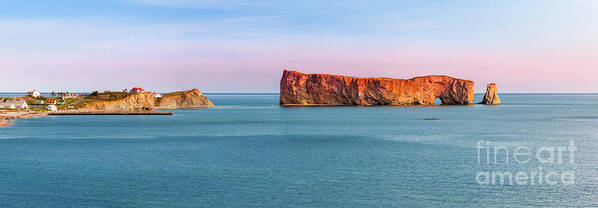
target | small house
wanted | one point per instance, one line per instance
(7, 105)
(40, 102)
(51, 102)
(19, 104)
(137, 90)
(34, 93)
(157, 95)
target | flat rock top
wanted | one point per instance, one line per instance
(382, 78)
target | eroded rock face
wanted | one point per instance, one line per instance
(147, 101)
(139, 101)
(491, 97)
(322, 89)
(184, 99)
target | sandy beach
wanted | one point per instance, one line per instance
(7, 116)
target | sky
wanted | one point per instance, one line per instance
(244, 45)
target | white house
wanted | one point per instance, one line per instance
(33, 93)
(52, 108)
(19, 104)
(157, 95)
(7, 105)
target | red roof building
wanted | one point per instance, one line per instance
(137, 90)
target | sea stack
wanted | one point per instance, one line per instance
(491, 97)
(322, 89)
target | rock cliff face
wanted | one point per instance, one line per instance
(139, 101)
(322, 89)
(491, 97)
(147, 101)
(184, 99)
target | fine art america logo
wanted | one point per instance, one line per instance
(545, 165)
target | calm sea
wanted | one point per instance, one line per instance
(249, 152)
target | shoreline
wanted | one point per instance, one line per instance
(5, 122)
(343, 105)
(109, 113)
(7, 117)
(135, 102)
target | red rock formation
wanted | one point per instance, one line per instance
(323, 89)
(491, 97)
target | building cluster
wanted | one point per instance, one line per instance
(140, 90)
(13, 104)
(65, 95)
(51, 103)
(17, 103)
(137, 90)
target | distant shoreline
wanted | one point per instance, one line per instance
(7, 117)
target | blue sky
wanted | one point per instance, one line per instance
(242, 46)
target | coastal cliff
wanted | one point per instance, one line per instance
(184, 99)
(138, 101)
(491, 96)
(322, 89)
(147, 101)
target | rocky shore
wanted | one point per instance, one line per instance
(119, 103)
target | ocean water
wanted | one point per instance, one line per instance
(249, 152)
